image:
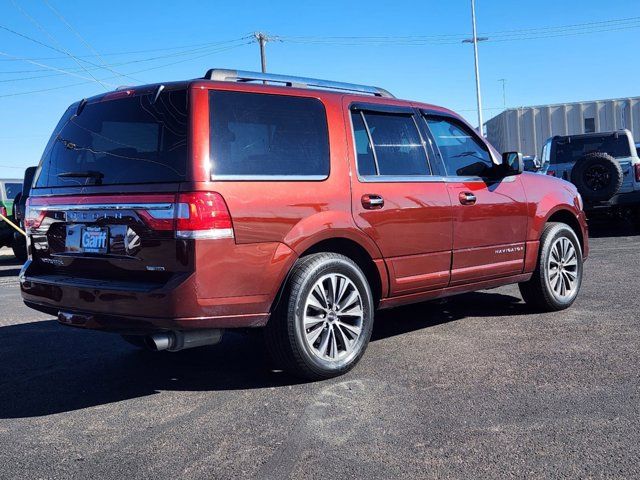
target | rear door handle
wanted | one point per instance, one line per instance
(467, 198)
(371, 201)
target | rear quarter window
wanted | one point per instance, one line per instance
(258, 135)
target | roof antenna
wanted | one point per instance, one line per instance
(158, 92)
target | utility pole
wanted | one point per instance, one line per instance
(475, 41)
(504, 92)
(262, 41)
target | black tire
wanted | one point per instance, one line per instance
(597, 176)
(538, 291)
(284, 331)
(20, 249)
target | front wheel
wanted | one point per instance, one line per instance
(557, 278)
(323, 322)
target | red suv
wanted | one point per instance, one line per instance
(170, 212)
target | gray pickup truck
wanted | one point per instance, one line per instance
(603, 166)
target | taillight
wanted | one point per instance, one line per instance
(551, 173)
(202, 215)
(3, 211)
(33, 217)
(194, 215)
(637, 172)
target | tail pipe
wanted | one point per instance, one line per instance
(177, 340)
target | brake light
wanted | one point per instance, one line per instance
(551, 173)
(33, 217)
(203, 215)
(3, 211)
(637, 172)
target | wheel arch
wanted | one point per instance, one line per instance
(566, 216)
(373, 269)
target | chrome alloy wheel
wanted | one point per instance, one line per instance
(563, 268)
(333, 316)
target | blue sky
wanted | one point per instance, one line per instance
(555, 68)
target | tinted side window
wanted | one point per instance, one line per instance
(462, 153)
(397, 143)
(12, 189)
(272, 135)
(364, 152)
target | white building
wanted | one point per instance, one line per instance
(526, 129)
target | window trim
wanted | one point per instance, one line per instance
(457, 178)
(361, 108)
(268, 178)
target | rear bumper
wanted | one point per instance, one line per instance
(145, 325)
(126, 307)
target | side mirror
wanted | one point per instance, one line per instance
(512, 164)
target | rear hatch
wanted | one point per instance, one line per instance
(106, 201)
(570, 149)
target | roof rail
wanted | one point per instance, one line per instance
(224, 75)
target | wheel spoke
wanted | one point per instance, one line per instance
(333, 347)
(345, 341)
(351, 329)
(310, 320)
(555, 283)
(321, 294)
(313, 335)
(324, 342)
(355, 311)
(353, 297)
(313, 301)
(333, 282)
(341, 290)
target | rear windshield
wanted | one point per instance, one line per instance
(119, 141)
(11, 190)
(570, 151)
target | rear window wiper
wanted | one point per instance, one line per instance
(98, 176)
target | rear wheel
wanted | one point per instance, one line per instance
(20, 249)
(323, 322)
(557, 278)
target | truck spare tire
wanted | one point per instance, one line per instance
(597, 176)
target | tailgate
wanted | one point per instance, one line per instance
(109, 238)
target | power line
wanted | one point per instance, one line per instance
(86, 44)
(129, 62)
(135, 52)
(46, 32)
(450, 39)
(139, 71)
(56, 69)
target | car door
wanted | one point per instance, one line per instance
(396, 198)
(489, 215)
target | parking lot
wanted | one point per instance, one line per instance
(472, 387)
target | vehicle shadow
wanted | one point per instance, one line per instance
(9, 272)
(611, 228)
(9, 260)
(46, 368)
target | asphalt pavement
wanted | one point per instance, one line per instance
(474, 387)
